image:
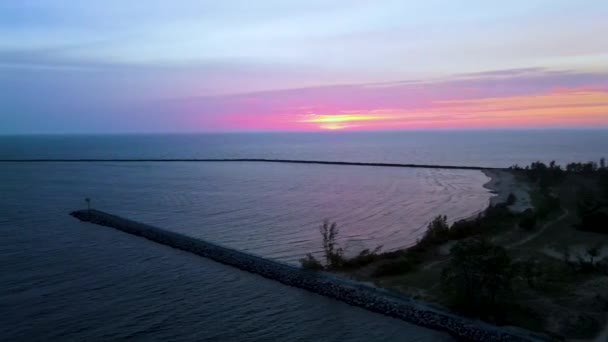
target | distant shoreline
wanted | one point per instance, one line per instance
(255, 160)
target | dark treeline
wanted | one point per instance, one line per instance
(404, 260)
(552, 173)
(481, 278)
(592, 210)
(591, 190)
(482, 293)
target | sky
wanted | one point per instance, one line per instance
(142, 66)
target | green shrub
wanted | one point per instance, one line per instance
(465, 228)
(394, 254)
(311, 263)
(437, 231)
(511, 199)
(545, 205)
(527, 220)
(363, 259)
(596, 221)
(529, 270)
(477, 276)
(394, 267)
(498, 213)
(580, 326)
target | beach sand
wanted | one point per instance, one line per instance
(502, 183)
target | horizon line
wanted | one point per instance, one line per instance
(329, 132)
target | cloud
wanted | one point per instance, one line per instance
(521, 97)
(117, 98)
(504, 73)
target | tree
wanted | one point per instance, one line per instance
(515, 167)
(437, 231)
(333, 253)
(603, 185)
(477, 274)
(592, 211)
(529, 270)
(586, 201)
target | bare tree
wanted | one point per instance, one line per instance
(333, 253)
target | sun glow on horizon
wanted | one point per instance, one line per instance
(341, 121)
(333, 127)
(342, 117)
(563, 107)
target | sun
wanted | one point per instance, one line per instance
(332, 127)
(339, 121)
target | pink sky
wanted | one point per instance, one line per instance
(507, 99)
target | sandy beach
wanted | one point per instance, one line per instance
(502, 183)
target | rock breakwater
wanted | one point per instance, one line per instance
(343, 289)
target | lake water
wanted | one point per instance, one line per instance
(479, 148)
(65, 280)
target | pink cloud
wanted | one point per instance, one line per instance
(507, 98)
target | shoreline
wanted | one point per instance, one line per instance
(502, 183)
(544, 311)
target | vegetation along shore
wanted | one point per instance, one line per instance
(536, 258)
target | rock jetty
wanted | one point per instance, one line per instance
(330, 285)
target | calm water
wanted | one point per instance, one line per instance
(480, 148)
(64, 280)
